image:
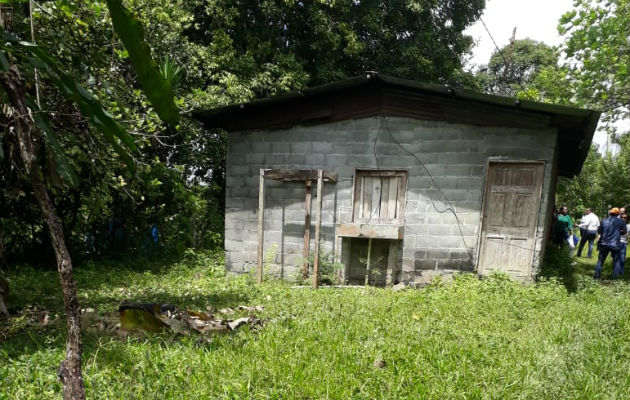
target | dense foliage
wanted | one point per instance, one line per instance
(515, 66)
(598, 53)
(213, 52)
(598, 69)
(603, 183)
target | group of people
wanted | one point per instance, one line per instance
(611, 235)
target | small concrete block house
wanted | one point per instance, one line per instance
(416, 180)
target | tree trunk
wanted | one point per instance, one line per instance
(70, 369)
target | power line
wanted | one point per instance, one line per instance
(500, 52)
(450, 207)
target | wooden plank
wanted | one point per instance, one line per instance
(307, 230)
(318, 223)
(380, 173)
(261, 221)
(366, 208)
(392, 198)
(400, 199)
(376, 198)
(375, 231)
(358, 198)
(298, 175)
(385, 199)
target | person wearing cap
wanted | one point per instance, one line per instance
(610, 231)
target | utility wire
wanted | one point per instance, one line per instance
(500, 52)
(450, 207)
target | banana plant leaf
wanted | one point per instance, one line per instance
(155, 86)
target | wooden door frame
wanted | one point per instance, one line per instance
(485, 197)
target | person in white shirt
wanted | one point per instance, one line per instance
(588, 231)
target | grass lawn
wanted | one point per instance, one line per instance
(472, 339)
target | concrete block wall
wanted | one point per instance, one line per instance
(440, 235)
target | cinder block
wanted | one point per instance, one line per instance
(425, 242)
(402, 135)
(416, 229)
(455, 264)
(424, 264)
(450, 242)
(274, 160)
(335, 160)
(386, 149)
(256, 159)
(259, 147)
(281, 147)
(323, 147)
(361, 161)
(418, 182)
(301, 147)
(440, 230)
(240, 170)
(471, 158)
(454, 194)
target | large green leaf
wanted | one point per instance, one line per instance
(90, 107)
(157, 89)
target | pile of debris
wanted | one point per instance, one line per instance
(157, 317)
(148, 317)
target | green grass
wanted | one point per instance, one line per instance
(472, 339)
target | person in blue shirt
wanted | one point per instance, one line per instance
(610, 231)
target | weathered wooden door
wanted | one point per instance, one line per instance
(510, 217)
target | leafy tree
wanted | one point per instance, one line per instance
(33, 146)
(597, 49)
(517, 65)
(276, 45)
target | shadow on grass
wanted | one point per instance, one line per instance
(192, 282)
(25, 340)
(572, 270)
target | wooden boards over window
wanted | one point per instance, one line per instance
(379, 196)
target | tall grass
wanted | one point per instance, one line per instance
(472, 339)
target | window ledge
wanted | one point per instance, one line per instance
(371, 230)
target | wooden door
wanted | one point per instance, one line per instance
(510, 217)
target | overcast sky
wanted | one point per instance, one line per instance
(534, 19)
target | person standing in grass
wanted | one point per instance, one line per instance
(610, 230)
(563, 229)
(588, 231)
(623, 245)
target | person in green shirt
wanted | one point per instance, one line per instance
(563, 229)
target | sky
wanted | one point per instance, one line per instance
(534, 19)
